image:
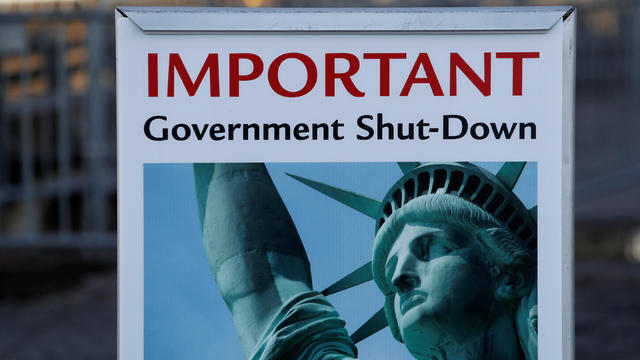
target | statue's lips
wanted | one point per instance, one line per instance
(412, 300)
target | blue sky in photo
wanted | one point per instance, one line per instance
(184, 315)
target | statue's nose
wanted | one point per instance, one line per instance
(405, 277)
(406, 282)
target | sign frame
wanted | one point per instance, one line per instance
(202, 21)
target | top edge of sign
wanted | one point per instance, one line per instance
(214, 19)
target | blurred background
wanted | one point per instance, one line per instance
(58, 173)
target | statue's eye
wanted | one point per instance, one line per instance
(422, 249)
(428, 248)
(437, 249)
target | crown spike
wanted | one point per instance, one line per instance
(361, 203)
(357, 277)
(510, 173)
(408, 166)
(376, 323)
(534, 213)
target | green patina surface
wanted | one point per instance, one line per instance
(454, 257)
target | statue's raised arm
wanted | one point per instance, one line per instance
(262, 269)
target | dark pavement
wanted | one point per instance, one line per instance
(80, 323)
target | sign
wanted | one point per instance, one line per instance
(417, 164)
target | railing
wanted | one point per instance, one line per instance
(57, 130)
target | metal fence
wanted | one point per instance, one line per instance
(608, 48)
(57, 130)
(57, 117)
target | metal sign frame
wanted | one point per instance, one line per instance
(161, 21)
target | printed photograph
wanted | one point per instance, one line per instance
(409, 260)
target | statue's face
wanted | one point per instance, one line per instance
(444, 292)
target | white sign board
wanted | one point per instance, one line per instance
(349, 87)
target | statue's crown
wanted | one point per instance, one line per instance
(492, 193)
(468, 183)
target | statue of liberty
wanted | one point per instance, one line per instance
(454, 257)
